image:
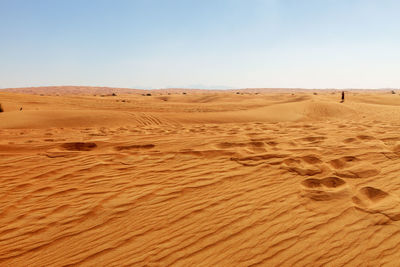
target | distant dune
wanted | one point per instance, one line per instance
(91, 90)
(70, 90)
(251, 177)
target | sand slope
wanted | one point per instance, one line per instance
(203, 179)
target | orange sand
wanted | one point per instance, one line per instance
(204, 179)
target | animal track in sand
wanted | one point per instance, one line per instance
(207, 153)
(373, 194)
(329, 182)
(311, 159)
(313, 139)
(308, 165)
(332, 182)
(226, 145)
(352, 167)
(350, 140)
(272, 143)
(79, 146)
(362, 171)
(343, 161)
(396, 148)
(312, 183)
(329, 188)
(368, 199)
(374, 200)
(390, 140)
(365, 137)
(271, 159)
(269, 141)
(132, 147)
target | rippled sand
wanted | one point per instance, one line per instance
(201, 179)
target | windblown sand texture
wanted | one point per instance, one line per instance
(233, 178)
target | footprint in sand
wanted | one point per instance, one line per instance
(308, 165)
(342, 162)
(390, 141)
(352, 167)
(374, 200)
(134, 147)
(329, 188)
(313, 139)
(79, 146)
(359, 171)
(265, 158)
(251, 147)
(396, 148)
(350, 140)
(365, 137)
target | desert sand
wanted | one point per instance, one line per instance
(206, 178)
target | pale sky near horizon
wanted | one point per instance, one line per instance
(200, 44)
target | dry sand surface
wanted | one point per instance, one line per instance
(285, 178)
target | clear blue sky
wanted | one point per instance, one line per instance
(200, 43)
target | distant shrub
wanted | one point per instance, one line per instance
(114, 94)
(148, 94)
(184, 93)
(393, 92)
(315, 94)
(1, 108)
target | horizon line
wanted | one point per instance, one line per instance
(206, 89)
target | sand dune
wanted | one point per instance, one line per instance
(199, 179)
